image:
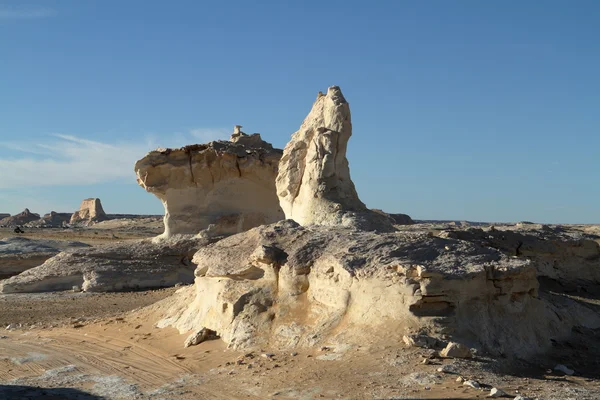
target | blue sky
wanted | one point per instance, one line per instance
(478, 110)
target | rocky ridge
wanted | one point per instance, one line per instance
(20, 219)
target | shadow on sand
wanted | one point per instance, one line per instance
(9, 392)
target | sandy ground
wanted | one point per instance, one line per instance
(93, 346)
(105, 346)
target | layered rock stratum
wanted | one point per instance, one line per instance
(314, 184)
(20, 219)
(89, 213)
(227, 184)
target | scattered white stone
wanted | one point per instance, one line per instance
(267, 355)
(563, 368)
(473, 384)
(76, 289)
(10, 327)
(460, 379)
(198, 337)
(456, 350)
(426, 361)
(495, 392)
(446, 369)
(419, 341)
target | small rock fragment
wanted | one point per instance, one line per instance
(519, 397)
(198, 337)
(426, 361)
(460, 379)
(495, 392)
(471, 383)
(267, 355)
(564, 369)
(446, 369)
(419, 341)
(456, 350)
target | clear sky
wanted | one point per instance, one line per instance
(476, 110)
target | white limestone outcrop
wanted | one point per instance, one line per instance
(284, 285)
(228, 184)
(129, 265)
(314, 184)
(18, 254)
(89, 213)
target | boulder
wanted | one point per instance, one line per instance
(51, 220)
(20, 219)
(228, 184)
(4, 215)
(18, 254)
(314, 184)
(285, 285)
(90, 212)
(130, 265)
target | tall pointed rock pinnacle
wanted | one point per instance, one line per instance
(313, 183)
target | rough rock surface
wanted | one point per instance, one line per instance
(563, 255)
(51, 220)
(4, 215)
(287, 285)
(137, 264)
(314, 184)
(230, 185)
(18, 254)
(20, 219)
(89, 213)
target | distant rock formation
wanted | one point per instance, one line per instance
(314, 184)
(20, 219)
(228, 184)
(4, 215)
(397, 219)
(89, 213)
(51, 220)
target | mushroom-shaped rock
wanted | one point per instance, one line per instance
(313, 184)
(228, 184)
(89, 213)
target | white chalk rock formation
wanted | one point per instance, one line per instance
(287, 285)
(20, 219)
(313, 184)
(129, 265)
(228, 184)
(90, 212)
(18, 254)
